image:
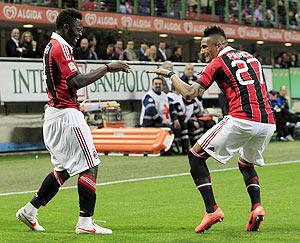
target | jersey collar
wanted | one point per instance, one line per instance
(61, 40)
(225, 50)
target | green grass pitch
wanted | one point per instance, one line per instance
(156, 210)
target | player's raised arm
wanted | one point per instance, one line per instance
(186, 90)
(82, 80)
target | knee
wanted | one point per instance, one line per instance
(92, 172)
(197, 164)
(248, 171)
(64, 175)
(61, 176)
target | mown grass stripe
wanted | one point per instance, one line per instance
(149, 178)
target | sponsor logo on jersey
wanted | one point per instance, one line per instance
(95, 154)
(72, 66)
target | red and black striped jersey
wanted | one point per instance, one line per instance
(240, 77)
(58, 68)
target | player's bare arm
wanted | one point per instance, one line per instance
(82, 80)
(186, 90)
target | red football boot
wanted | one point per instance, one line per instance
(209, 219)
(256, 218)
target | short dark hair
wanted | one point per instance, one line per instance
(214, 30)
(159, 78)
(143, 42)
(110, 45)
(176, 48)
(67, 16)
(91, 38)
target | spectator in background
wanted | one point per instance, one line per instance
(188, 74)
(119, 51)
(89, 5)
(125, 7)
(292, 20)
(192, 114)
(179, 126)
(93, 40)
(199, 57)
(289, 117)
(205, 6)
(69, 4)
(13, 45)
(93, 47)
(29, 46)
(108, 53)
(150, 55)
(297, 16)
(93, 54)
(284, 97)
(144, 7)
(161, 52)
(220, 10)
(281, 14)
(167, 85)
(286, 61)
(293, 58)
(82, 52)
(284, 100)
(155, 106)
(282, 116)
(191, 11)
(277, 62)
(129, 53)
(259, 16)
(246, 16)
(233, 11)
(161, 8)
(177, 54)
(175, 9)
(281, 129)
(142, 51)
(270, 19)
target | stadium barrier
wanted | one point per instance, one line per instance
(21, 81)
(132, 141)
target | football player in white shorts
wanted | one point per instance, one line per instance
(247, 129)
(66, 134)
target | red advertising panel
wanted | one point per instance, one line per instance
(32, 14)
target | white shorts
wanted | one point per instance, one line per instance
(69, 140)
(233, 135)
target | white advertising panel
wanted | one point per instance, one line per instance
(21, 81)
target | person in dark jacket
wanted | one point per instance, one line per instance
(161, 52)
(82, 52)
(177, 54)
(13, 46)
(29, 46)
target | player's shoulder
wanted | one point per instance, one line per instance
(59, 48)
(213, 65)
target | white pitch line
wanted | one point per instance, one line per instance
(149, 178)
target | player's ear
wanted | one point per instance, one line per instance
(219, 46)
(66, 27)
